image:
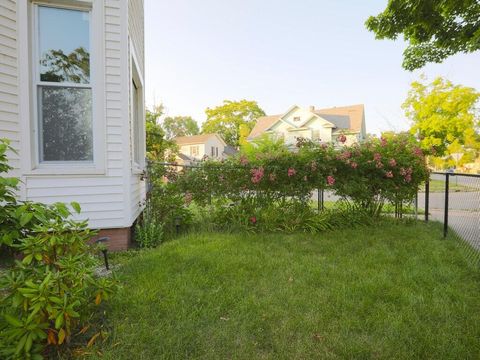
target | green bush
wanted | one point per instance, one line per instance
(367, 175)
(52, 290)
(148, 231)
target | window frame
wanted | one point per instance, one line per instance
(194, 150)
(29, 80)
(137, 78)
(37, 83)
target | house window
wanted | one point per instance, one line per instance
(194, 150)
(296, 118)
(136, 124)
(213, 151)
(62, 87)
(216, 152)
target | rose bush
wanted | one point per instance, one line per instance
(366, 175)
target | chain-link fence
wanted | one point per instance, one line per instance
(454, 200)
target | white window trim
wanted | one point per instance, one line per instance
(28, 43)
(137, 76)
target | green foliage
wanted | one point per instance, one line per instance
(278, 217)
(51, 291)
(227, 119)
(46, 295)
(158, 146)
(148, 231)
(367, 174)
(443, 115)
(434, 29)
(166, 203)
(180, 126)
(263, 145)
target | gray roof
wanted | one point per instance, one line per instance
(229, 150)
(340, 121)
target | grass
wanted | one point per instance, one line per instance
(395, 291)
(408, 209)
(439, 186)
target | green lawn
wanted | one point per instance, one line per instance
(439, 186)
(395, 291)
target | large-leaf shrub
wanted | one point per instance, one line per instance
(51, 289)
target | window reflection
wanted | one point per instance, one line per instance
(64, 45)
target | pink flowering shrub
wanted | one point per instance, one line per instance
(367, 175)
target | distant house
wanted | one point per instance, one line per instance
(72, 105)
(197, 147)
(323, 125)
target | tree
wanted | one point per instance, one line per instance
(443, 115)
(226, 119)
(434, 29)
(158, 147)
(180, 126)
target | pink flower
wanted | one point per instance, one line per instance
(344, 155)
(342, 138)
(291, 172)
(389, 174)
(253, 220)
(330, 180)
(408, 178)
(417, 151)
(379, 165)
(377, 157)
(272, 177)
(257, 175)
(393, 162)
(354, 165)
(383, 141)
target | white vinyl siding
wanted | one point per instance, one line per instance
(9, 108)
(102, 197)
(109, 196)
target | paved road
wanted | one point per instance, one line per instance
(469, 181)
(464, 223)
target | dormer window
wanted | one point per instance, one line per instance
(296, 118)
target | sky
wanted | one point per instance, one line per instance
(282, 53)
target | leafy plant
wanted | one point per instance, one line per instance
(148, 231)
(47, 294)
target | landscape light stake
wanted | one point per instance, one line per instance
(104, 250)
(445, 214)
(427, 198)
(177, 224)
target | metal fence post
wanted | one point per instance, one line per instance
(427, 198)
(323, 202)
(318, 200)
(416, 206)
(445, 217)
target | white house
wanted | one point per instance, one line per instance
(197, 147)
(323, 125)
(72, 103)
